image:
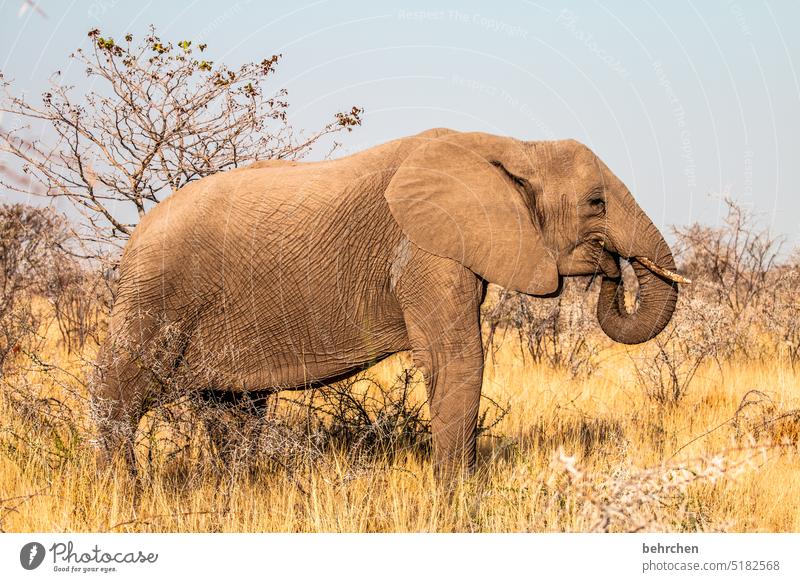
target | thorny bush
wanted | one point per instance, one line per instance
(557, 332)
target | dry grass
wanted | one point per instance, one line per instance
(575, 453)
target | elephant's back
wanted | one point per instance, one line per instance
(213, 210)
(273, 195)
(274, 205)
(251, 227)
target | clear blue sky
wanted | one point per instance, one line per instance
(684, 100)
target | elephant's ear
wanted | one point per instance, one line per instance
(460, 196)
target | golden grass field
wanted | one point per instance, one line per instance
(573, 454)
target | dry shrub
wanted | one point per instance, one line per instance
(29, 244)
(360, 423)
(666, 366)
(759, 418)
(80, 297)
(557, 332)
(47, 424)
(368, 418)
(656, 499)
(734, 267)
(781, 313)
(44, 430)
(38, 266)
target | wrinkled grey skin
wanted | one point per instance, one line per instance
(284, 274)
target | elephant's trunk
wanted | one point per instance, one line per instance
(658, 290)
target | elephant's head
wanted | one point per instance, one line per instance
(524, 214)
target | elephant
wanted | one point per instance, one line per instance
(285, 274)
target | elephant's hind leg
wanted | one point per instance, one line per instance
(234, 422)
(136, 362)
(118, 402)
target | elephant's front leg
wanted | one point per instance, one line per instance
(441, 304)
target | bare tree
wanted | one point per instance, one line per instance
(161, 117)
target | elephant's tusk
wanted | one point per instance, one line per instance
(663, 272)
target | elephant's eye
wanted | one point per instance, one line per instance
(598, 204)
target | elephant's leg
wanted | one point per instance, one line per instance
(118, 402)
(234, 424)
(138, 356)
(441, 305)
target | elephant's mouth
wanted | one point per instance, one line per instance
(608, 264)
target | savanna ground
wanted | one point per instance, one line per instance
(698, 430)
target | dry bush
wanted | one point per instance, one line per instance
(369, 419)
(781, 312)
(159, 116)
(46, 424)
(733, 262)
(666, 366)
(45, 430)
(556, 331)
(30, 244)
(80, 298)
(654, 499)
(38, 263)
(362, 423)
(759, 418)
(43, 401)
(733, 266)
